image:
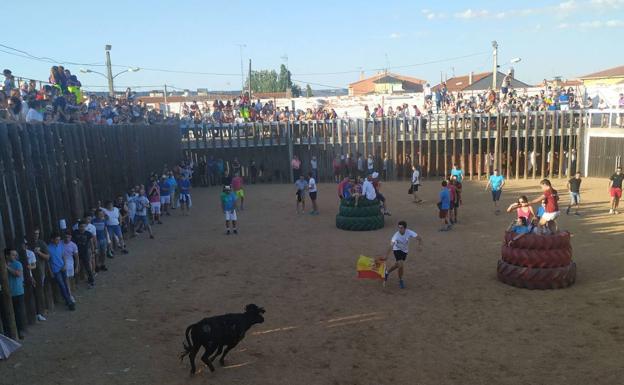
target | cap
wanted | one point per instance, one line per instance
(228, 187)
(375, 175)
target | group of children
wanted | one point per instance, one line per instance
(544, 221)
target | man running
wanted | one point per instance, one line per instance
(574, 186)
(415, 184)
(615, 189)
(399, 246)
(551, 210)
(496, 182)
(228, 204)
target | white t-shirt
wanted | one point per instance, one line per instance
(416, 177)
(34, 116)
(32, 260)
(401, 241)
(69, 249)
(370, 163)
(112, 216)
(368, 190)
(312, 185)
(314, 164)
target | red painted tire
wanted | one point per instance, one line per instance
(536, 278)
(536, 257)
(561, 240)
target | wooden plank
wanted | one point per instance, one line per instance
(553, 133)
(428, 134)
(543, 160)
(418, 126)
(517, 162)
(562, 134)
(480, 147)
(570, 145)
(471, 143)
(509, 157)
(527, 127)
(446, 135)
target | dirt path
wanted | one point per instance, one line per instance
(454, 324)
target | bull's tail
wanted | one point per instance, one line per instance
(188, 345)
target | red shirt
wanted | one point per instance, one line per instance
(237, 183)
(341, 186)
(551, 198)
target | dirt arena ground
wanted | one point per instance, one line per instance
(453, 324)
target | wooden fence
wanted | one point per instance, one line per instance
(59, 171)
(521, 145)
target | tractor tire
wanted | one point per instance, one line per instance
(560, 240)
(367, 211)
(360, 223)
(362, 202)
(536, 278)
(536, 258)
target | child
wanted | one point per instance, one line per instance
(551, 207)
(70, 254)
(16, 287)
(574, 185)
(357, 190)
(541, 209)
(458, 201)
(228, 204)
(523, 208)
(313, 192)
(444, 205)
(453, 193)
(237, 186)
(154, 199)
(301, 185)
(519, 226)
(142, 204)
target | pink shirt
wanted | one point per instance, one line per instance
(237, 183)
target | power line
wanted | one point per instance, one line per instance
(394, 67)
(27, 55)
(316, 84)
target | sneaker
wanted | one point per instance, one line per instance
(103, 268)
(97, 269)
(124, 251)
(159, 222)
(401, 284)
(41, 318)
(151, 237)
(71, 306)
(568, 211)
(577, 213)
(227, 232)
(235, 231)
(72, 298)
(386, 274)
(611, 211)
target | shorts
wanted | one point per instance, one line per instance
(496, 194)
(399, 255)
(165, 199)
(185, 198)
(69, 272)
(300, 196)
(240, 193)
(114, 230)
(155, 207)
(443, 213)
(313, 195)
(140, 219)
(550, 216)
(575, 198)
(616, 192)
(415, 187)
(102, 245)
(231, 215)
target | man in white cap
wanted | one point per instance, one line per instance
(368, 190)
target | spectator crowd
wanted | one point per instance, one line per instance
(72, 256)
(61, 99)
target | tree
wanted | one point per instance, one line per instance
(270, 81)
(308, 91)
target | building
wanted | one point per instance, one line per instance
(386, 83)
(478, 82)
(608, 77)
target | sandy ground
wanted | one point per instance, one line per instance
(454, 324)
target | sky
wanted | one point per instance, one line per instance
(324, 43)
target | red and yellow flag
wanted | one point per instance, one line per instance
(370, 268)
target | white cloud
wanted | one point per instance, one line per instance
(563, 25)
(470, 14)
(595, 24)
(607, 3)
(395, 35)
(567, 5)
(501, 15)
(614, 23)
(592, 24)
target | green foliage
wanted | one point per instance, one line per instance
(308, 91)
(270, 81)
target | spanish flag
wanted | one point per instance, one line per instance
(370, 268)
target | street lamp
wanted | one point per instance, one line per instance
(110, 76)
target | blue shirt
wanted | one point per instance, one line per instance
(16, 284)
(540, 211)
(172, 183)
(228, 200)
(100, 228)
(518, 229)
(185, 185)
(445, 199)
(165, 188)
(496, 181)
(56, 257)
(458, 174)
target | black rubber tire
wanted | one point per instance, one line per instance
(366, 211)
(536, 257)
(362, 202)
(561, 240)
(536, 278)
(360, 223)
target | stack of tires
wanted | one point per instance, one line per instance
(537, 261)
(365, 217)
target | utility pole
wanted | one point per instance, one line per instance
(249, 85)
(495, 69)
(109, 71)
(166, 103)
